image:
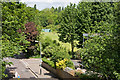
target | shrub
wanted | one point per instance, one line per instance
(50, 63)
(87, 76)
(59, 53)
(49, 50)
(102, 56)
(56, 50)
(62, 64)
(46, 42)
(31, 34)
(78, 54)
(56, 53)
(70, 64)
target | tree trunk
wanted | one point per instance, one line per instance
(72, 46)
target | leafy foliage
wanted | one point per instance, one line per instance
(46, 42)
(62, 64)
(102, 55)
(78, 53)
(50, 63)
(68, 25)
(56, 52)
(31, 34)
(87, 76)
(12, 20)
(48, 17)
(30, 31)
(15, 16)
(101, 52)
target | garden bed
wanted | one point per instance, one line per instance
(59, 73)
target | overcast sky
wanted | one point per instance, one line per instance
(42, 4)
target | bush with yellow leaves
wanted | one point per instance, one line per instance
(62, 64)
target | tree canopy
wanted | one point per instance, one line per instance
(16, 15)
(69, 25)
(101, 51)
(100, 54)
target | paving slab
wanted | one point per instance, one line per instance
(22, 71)
(27, 67)
(34, 65)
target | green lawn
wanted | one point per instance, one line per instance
(54, 36)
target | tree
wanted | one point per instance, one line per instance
(59, 9)
(69, 25)
(62, 8)
(48, 17)
(118, 19)
(101, 52)
(83, 17)
(52, 7)
(31, 34)
(12, 20)
(35, 6)
(15, 16)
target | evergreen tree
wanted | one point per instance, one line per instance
(68, 26)
(101, 52)
(35, 6)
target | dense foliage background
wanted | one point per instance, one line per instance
(100, 20)
(102, 51)
(22, 25)
(15, 16)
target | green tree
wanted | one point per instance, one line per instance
(118, 19)
(83, 17)
(91, 16)
(59, 9)
(12, 19)
(48, 18)
(35, 6)
(69, 25)
(15, 16)
(101, 52)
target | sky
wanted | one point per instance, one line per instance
(42, 4)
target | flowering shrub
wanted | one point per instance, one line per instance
(61, 64)
(64, 63)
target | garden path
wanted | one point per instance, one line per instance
(29, 68)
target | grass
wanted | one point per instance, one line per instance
(54, 36)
